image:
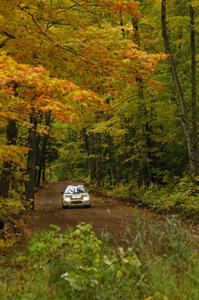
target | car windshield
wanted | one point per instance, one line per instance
(75, 190)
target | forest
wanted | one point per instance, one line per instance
(104, 92)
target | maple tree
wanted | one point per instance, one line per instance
(32, 93)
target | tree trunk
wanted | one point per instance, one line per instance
(193, 89)
(32, 156)
(89, 141)
(6, 175)
(87, 148)
(184, 115)
(42, 158)
(122, 24)
(146, 168)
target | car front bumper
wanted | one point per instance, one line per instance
(74, 203)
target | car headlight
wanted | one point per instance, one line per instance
(86, 198)
(66, 199)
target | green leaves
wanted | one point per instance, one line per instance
(83, 265)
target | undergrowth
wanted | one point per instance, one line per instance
(11, 212)
(179, 196)
(154, 263)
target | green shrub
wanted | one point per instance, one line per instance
(178, 196)
(124, 191)
(182, 198)
(10, 209)
(74, 265)
(78, 265)
(11, 206)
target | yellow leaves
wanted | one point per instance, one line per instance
(43, 131)
(12, 72)
(8, 209)
(157, 296)
(112, 127)
(5, 244)
(13, 154)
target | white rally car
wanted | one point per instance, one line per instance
(75, 195)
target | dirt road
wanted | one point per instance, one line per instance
(105, 215)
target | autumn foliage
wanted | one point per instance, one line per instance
(88, 71)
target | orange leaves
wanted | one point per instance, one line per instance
(129, 7)
(59, 109)
(33, 85)
(146, 61)
(65, 118)
(13, 74)
(8, 90)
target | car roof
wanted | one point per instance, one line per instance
(68, 187)
(75, 185)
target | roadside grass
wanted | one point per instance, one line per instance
(155, 262)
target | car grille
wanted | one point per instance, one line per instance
(76, 202)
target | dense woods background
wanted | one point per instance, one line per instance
(101, 90)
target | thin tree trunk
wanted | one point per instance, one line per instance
(146, 173)
(6, 175)
(89, 141)
(32, 156)
(122, 24)
(42, 158)
(184, 114)
(194, 88)
(38, 158)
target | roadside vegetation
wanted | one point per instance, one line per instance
(180, 197)
(154, 263)
(12, 212)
